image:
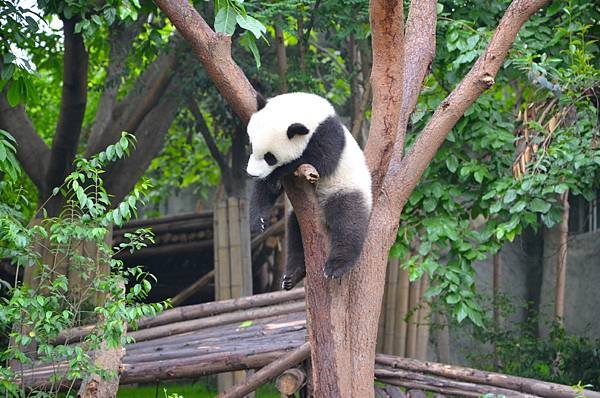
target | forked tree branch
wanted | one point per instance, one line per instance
(403, 176)
(32, 152)
(387, 32)
(72, 106)
(214, 52)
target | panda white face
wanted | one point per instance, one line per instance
(280, 131)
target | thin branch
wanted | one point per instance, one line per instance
(121, 37)
(404, 176)
(72, 108)
(32, 152)
(214, 52)
(208, 138)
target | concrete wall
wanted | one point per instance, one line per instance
(582, 296)
(582, 291)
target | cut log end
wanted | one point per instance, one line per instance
(290, 381)
(307, 171)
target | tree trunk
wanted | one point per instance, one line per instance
(561, 261)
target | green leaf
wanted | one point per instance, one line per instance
(251, 24)
(452, 163)
(246, 324)
(510, 195)
(429, 204)
(14, 94)
(452, 298)
(3, 153)
(225, 20)
(539, 206)
(249, 43)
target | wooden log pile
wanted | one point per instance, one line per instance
(268, 332)
(191, 341)
(466, 382)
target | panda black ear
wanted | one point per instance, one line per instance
(296, 129)
(261, 102)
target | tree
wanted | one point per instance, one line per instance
(344, 314)
(141, 98)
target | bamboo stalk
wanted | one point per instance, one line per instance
(390, 306)
(401, 312)
(411, 332)
(423, 322)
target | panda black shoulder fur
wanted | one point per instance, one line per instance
(296, 128)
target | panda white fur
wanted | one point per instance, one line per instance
(296, 128)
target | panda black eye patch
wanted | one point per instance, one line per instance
(270, 159)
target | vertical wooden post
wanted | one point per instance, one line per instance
(402, 294)
(390, 305)
(411, 334)
(561, 261)
(497, 273)
(423, 321)
(233, 265)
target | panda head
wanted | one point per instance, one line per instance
(280, 130)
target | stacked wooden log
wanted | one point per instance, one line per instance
(173, 234)
(464, 382)
(196, 340)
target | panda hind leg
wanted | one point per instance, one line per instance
(347, 217)
(294, 262)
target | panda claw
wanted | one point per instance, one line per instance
(286, 283)
(335, 268)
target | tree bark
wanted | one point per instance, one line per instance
(32, 152)
(561, 261)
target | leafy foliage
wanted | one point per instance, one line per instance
(521, 351)
(468, 204)
(93, 287)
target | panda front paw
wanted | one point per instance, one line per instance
(336, 268)
(286, 282)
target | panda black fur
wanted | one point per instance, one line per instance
(296, 128)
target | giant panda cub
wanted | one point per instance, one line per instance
(295, 128)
